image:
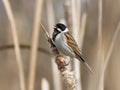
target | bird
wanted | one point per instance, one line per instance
(66, 44)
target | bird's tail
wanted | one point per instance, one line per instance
(85, 64)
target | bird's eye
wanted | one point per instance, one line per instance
(57, 30)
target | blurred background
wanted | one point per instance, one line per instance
(97, 23)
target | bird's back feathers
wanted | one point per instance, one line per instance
(72, 43)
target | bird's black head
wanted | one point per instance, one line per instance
(59, 28)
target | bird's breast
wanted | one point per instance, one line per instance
(62, 46)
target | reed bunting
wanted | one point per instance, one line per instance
(66, 44)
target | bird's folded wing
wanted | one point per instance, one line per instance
(72, 43)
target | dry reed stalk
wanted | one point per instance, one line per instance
(100, 53)
(75, 29)
(50, 15)
(94, 84)
(68, 14)
(100, 42)
(16, 43)
(107, 58)
(100, 22)
(34, 45)
(78, 14)
(54, 49)
(100, 46)
(74, 20)
(46, 33)
(51, 23)
(45, 85)
(82, 30)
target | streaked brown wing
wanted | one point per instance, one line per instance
(72, 43)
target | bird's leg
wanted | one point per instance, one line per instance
(66, 64)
